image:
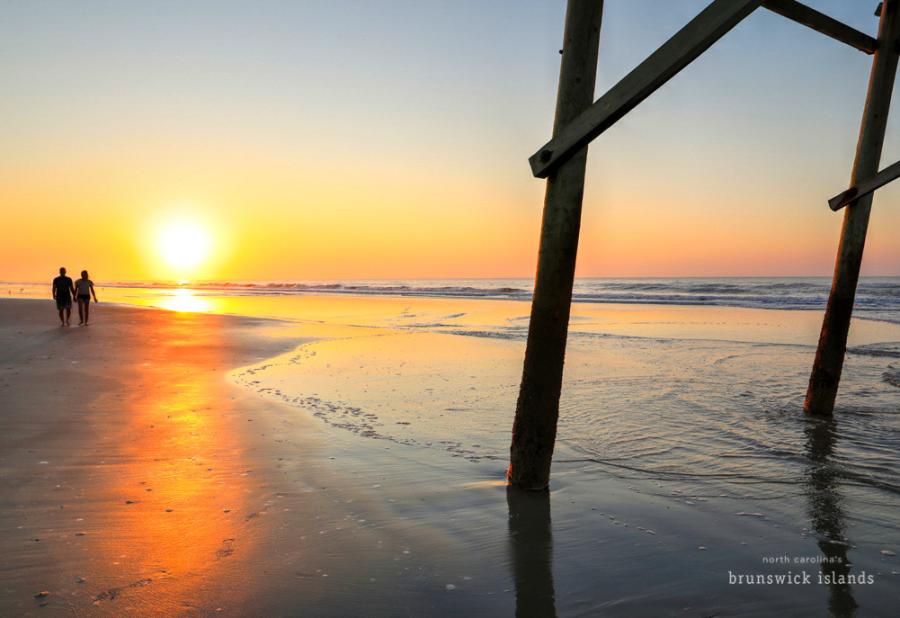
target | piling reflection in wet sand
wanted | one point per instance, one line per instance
(531, 549)
(825, 509)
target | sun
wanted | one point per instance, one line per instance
(184, 244)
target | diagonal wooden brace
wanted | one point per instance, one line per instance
(839, 31)
(680, 50)
(891, 172)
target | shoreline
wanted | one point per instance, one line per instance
(876, 300)
(322, 521)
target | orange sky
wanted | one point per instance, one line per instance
(306, 159)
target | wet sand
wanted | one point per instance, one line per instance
(137, 477)
(127, 470)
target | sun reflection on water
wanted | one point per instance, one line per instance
(184, 300)
(180, 494)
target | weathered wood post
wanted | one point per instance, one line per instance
(534, 430)
(826, 372)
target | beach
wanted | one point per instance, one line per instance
(440, 309)
(350, 461)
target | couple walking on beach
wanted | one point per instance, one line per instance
(64, 290)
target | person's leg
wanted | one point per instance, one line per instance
(87, 310)
(80, 312)
(62, 319)
(68, 314)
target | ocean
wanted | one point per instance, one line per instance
(877, 297)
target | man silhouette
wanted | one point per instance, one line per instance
(63, 291)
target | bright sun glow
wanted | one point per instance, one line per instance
(184, 245)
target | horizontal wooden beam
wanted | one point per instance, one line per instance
(891, 172)
(679, 51)
(820, 22)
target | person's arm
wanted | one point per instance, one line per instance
(94, 293)
(72, 289)
(53, 289)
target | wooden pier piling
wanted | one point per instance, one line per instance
(826, 373)
(562, 162)
(534, 429)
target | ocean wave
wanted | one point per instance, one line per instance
(892, 377)
(345, 288)
(884, 350)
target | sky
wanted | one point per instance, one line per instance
(350, 139)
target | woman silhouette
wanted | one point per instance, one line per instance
(84, 288)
